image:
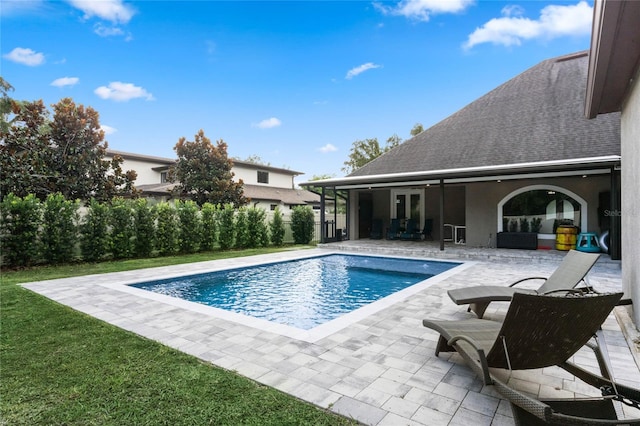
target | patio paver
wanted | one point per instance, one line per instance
(379, 370)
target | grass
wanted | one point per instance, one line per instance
(59, 366)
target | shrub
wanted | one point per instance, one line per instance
(167, 229)
(144, 227)
(258, 235)
(242, 229)
(94, 240)
(21, 220)
(59, 229)
(536, 224)
(122, 228)
(209, 226)
(190, 226)
(276, 226)
(524, 225)
(302, 223)
(226, 226)
(513, 225)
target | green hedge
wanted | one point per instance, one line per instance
(59, 230)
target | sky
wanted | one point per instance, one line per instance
(294, 83)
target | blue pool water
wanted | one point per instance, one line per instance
(301, 293)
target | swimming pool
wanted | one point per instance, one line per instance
(303, 293)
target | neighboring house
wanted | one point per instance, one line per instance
(267, 187)
(613, 86)
(525, 150)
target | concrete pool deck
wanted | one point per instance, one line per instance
(379, 369)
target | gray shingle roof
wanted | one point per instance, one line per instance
(536, 116)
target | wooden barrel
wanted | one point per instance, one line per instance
(566, 237)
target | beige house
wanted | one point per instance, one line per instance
(267, 187)
(524, 153)
(613, 86)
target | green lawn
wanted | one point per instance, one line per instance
(58, 366)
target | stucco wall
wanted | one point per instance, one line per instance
(482, 200)
(249, 175)
(630, 206)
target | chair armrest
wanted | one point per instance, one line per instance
(482, 358)
(527, 279)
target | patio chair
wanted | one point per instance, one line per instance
(393, 233)
(543, 331)
(428, 229)
(376, 229)
(571, 271)
(412, 231)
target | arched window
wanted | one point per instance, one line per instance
(540, 209)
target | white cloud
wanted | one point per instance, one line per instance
(360, 69)
(25, 56)
(120, 92)
(108, 130)
(327, 148)
(65, 81)
(110, 10)
(555, 21)
(269, 123)
(105, 31)
(422, 10)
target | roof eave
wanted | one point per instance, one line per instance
(613, 57)
(475, 172)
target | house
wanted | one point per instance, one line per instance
(523, 153)
(267, 187)
(612, 85)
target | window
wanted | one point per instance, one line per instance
(263, 177)
(540, 209)
(163, 177)
(273, 206)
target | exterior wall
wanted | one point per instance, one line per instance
(249, 175)
(144, 169)
(482, 201)
(454, 206)
(630, 219)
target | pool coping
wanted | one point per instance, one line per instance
(312, 335)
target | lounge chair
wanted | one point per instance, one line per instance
(376, 229)
(542, 331)
(428, 229)
(412, 231)
(393, 233)
(571, 271)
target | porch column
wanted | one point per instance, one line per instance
(323, 232)
(441, 214)
(615, 231)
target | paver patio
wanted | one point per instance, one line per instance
(380, 369)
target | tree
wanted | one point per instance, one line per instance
(317, 189)
(203, 172)
(364, 151)
(42, 156)
(417, 129)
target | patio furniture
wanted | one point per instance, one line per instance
(588, 241)
(376, 229)
(428, 229)
(393, 233)
(412, 231)
(543, 331)
(571, 271)
(517, 240)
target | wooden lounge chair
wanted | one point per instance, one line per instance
(542, 331)
(571, 271)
